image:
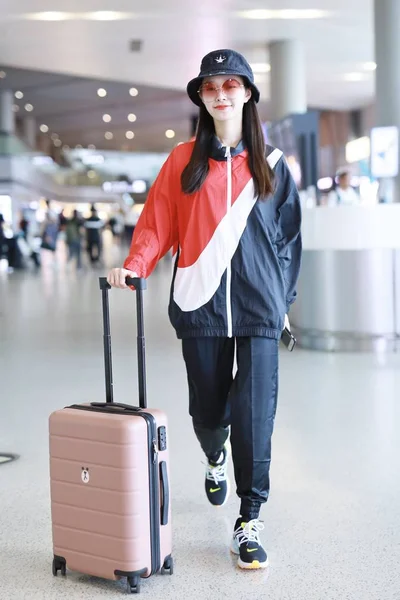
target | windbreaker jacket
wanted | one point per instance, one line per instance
(238, 257)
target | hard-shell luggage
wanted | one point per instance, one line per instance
(109, 473)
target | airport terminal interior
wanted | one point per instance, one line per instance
(90, 109)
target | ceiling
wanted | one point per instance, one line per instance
(175, 35)
(71, 108)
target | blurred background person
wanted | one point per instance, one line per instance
(62, 220)
(117, 224)
(29, 240)
(24, 226)
(343, 194)
(9, 248)
(73, 232)
(50, 230)
(94, 226)
(3, 241)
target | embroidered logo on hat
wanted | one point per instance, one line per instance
(220, 59)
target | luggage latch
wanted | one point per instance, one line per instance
(155, 451)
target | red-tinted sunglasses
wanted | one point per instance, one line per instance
(208, 91)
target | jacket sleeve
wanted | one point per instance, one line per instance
(157, 228)
(288, 239)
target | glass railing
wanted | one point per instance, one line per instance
(110, 171)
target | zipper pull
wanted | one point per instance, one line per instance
(228, 155)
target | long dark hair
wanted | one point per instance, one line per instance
(196, 171)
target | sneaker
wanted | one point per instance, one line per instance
(246, 544)
(217, 482)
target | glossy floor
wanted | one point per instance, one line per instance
(332, 525)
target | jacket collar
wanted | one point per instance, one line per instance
(218, 151)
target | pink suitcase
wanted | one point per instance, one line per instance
(109, 474)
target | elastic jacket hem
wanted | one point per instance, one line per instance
(274, 334)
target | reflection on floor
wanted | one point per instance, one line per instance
(332, 524)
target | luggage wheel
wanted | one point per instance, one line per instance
(133, 585)
(59, 564)
(168, 566)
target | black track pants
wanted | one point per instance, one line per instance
(247, 404)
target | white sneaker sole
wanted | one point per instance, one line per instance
(247, 566)
(252, 566)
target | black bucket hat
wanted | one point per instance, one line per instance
(222, 62)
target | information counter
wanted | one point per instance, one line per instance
(349, 286)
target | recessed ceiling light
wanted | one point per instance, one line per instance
(51, 15)
(44, 128)
(107, 15)
(102, 92)
(260, 67)
(132, 118)
(98, 15)
(29, 107)
(3, 74)
(108, 135)
(133, 91)
(288, 13)
(370, 66)
(57, 142)
(78, 147)
(15, 107)
(106, 118)
(54, 136)
(354, 77)
(129, 135)
(92, 147)
(170, 133)
(19, 95)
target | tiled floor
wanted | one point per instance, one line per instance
(333, 520)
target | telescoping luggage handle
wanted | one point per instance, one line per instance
(139, 284)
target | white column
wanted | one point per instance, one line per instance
(7, 118)
(288, 79)
(29, 129)
(387, 53)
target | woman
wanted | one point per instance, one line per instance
(229, 205)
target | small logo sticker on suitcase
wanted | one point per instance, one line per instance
(85, 475)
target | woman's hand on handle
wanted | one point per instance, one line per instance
(116, 278)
